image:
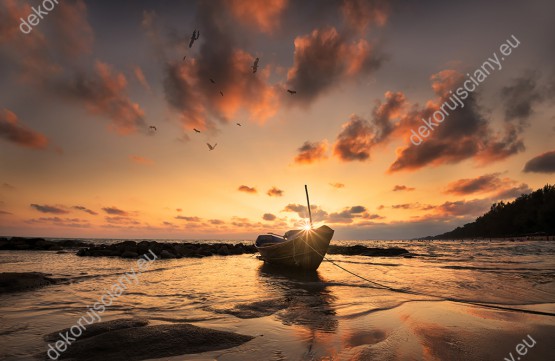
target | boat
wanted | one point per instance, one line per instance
(299, 249)
(296, 249)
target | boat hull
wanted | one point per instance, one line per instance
(305, 251)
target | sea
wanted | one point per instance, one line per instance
(353, 306)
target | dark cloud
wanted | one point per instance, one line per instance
(85, 209)
(324, 58)
(275, 192)
(189, 219)
(13, 131)
(520, 97)
(269, 217)
(115, 211)
(543, 163)
(247, 189)
(318, 214)
(481, 184)
(347, 215)
(399, 188)
(513, 192)
(312, 152)
(49, 209)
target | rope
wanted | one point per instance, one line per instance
(441, 298)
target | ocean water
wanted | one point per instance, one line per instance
(330, 315)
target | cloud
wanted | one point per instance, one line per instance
(49, 209)
(197, 100)
(141, 77)
(61, 222)
(358, 136)
(8, 186)
(247, 189)
(520, 97)
(361, 13)
(5, 213)
(347, 215)
(13, 131)
(324, 58)
(122, 220)
(275, 192)
(104, 93)
(71, 28)
(216, 222)
(115, 211)
(189, 219)
(141, 160)
(406, 206)
(481, 184)
(269, 217)
(262, 15)
(511, 193)
(318, 214)
(399, 188)
(85, 209)
(312, 152)
(337, 185)
(543, 163)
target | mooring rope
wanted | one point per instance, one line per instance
(441, 298)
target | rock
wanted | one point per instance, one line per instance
(129, 254)
(257, 309)
(14, 281)
(39, 244)
(360, 250)
(165, 254)
(101, 327)
(223, 251)
(150, 342)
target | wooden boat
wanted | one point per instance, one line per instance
(302, 249)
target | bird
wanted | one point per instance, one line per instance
(291, 91)
(239, 124)
(211, 147)
(153, 128)
(184, 58)
(196, 130)
(222, 93)
(212, 81)
(194, 37)
(255, 66)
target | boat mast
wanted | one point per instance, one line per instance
(308, 201)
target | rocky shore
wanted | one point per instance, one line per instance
(23, 281)
(39, 244)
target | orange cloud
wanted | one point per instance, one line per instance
(274, 192)
(361, 13)
(141, 77)
(141, 160)
(398, 188)
(104, 93)
(12, 130)
(312, 152)
(263, 15)
(324, 58)
(72, 28)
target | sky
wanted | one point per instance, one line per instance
(404, 118)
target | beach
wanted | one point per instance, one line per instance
(432, 314)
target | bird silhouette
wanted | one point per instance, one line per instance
(212, 81)
(291, 91)
(211, 147)
(196, 130)
(184, 57)
(255, 66)
(153, 128)
(222, 93)
(194, 37)
(239, 124)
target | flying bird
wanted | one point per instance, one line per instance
(291, 91)
(211, 147)
(239, 124)
(255, 66)
(194, 37)
(184, 57)
(196, 130)
(212, 81)
(222, 93)
(153, 128)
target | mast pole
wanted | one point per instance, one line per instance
(308, 201)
